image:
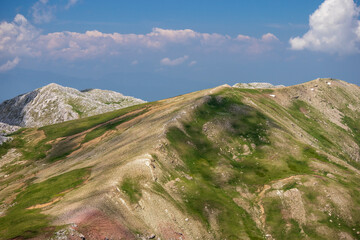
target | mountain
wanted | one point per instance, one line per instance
(221, 163)
(54, 103)
(256, 85)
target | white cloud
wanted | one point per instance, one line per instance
(257, 46)
(192, 63)
(9, 65)
(42, 12)
(71, 3)
(241, 37)
(19, 38)
(135, 62)
(174, 35)
(174, 62)
(334, 28)
(269, 37)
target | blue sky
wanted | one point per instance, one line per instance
(158, 49)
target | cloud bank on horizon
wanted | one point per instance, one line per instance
(21, 38)
(333, 28)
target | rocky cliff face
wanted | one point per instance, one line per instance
(54, 103)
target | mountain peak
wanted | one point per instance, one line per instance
(52, 85)
(54, 103)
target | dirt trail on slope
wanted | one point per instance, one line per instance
(37, 206)
(262, 193)
(260, 204)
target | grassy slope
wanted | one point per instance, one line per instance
(202, 157)
(24, 138)
(208, 194)
(22, 222)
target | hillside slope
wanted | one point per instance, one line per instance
(54, 103)
(223, 163)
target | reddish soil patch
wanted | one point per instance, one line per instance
(94, 224)
(168, 232)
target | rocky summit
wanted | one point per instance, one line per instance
(256, 85)
(222, 163)
(54, 103)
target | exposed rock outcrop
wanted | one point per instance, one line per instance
(54, 103)
(7, 129)
(255, 85)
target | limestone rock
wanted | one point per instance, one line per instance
(256, 85)
(54, 103)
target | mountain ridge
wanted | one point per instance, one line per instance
(221, 163)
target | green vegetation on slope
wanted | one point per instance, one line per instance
(354, 125)
(299, 110)
(206, 195)
(99, 131)
(23, 222)
(297, 166)
(22, 140)
(29, 150)
(79, 125)
(206, 201)
(132, 189)
(76, 107)
(229, 151)
(275, 220)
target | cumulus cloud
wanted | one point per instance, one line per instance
(334, 28)
(42, 12)
(174, 62)
(269, 37)
(9, 65)
(20, 38)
